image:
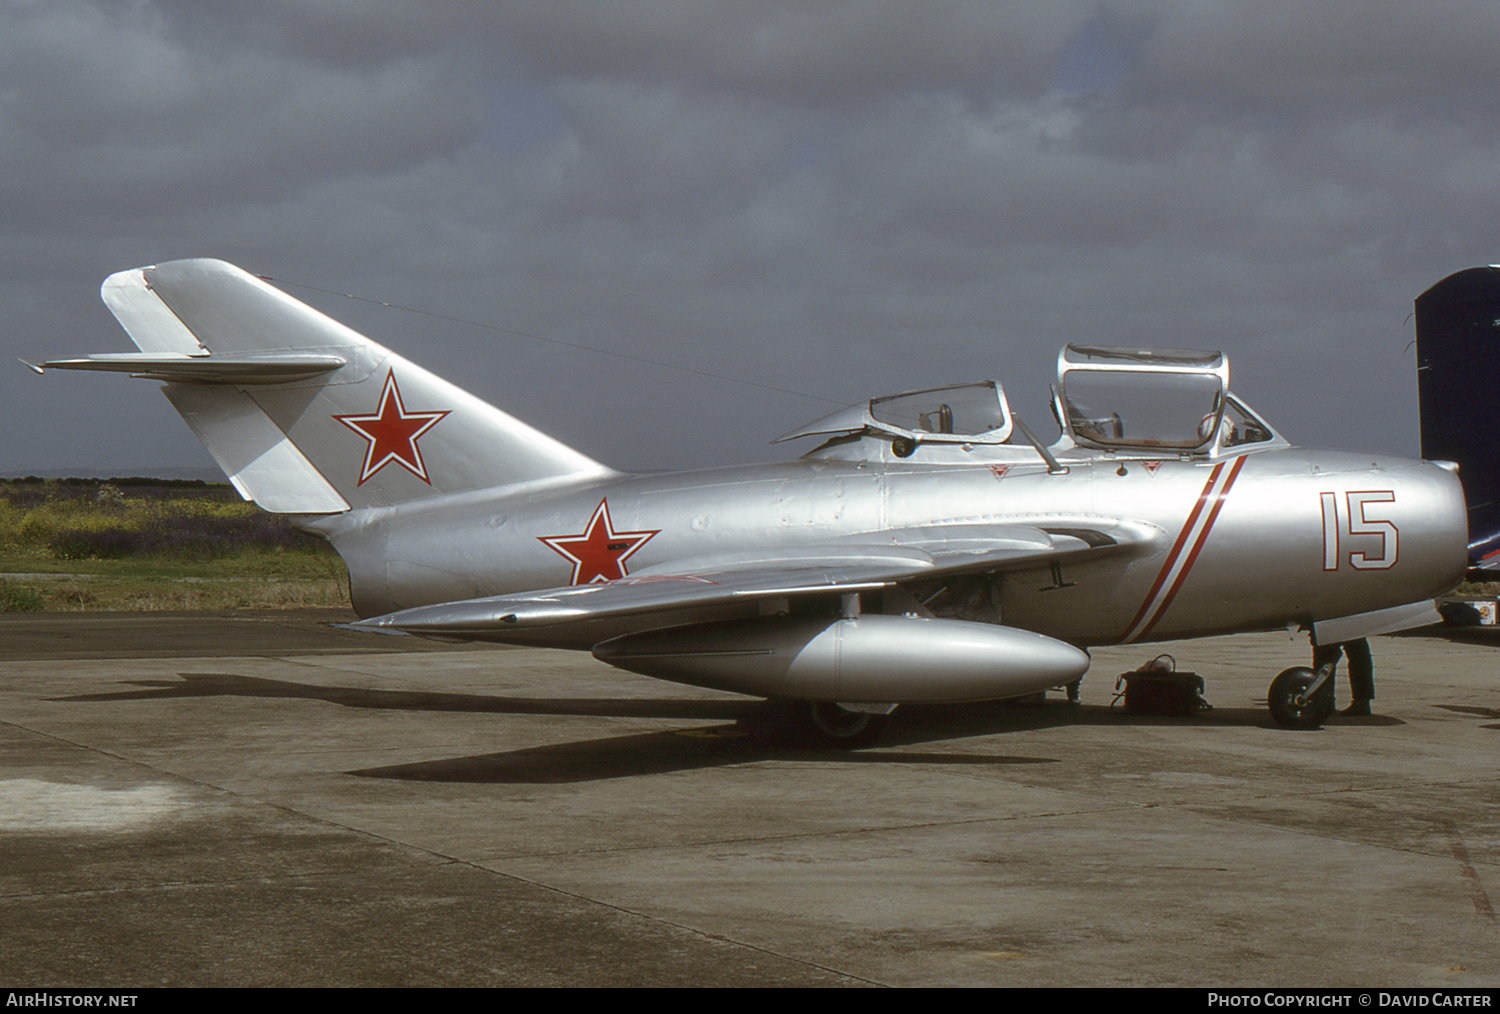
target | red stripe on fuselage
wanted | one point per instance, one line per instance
(1156, 603)
(1198, 544)
(1166, 568)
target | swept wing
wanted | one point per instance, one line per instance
(692, 591)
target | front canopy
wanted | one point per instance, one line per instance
(957, 414)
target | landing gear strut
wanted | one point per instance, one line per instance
(831, 725)
(1300, 698)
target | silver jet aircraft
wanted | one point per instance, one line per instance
(929, 549)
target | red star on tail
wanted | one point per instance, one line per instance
(392, 432)
(600, 552)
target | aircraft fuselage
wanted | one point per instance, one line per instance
(1237, 542)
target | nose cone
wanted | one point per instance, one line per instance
(1438, 547)
(1394, 532)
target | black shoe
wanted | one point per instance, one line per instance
(1357, 709)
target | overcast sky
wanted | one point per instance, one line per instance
(830, 200)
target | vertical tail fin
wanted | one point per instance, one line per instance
(1458, 391)
(303, 414)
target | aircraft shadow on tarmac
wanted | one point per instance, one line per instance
(763, 735)
(1476, 712)
(655, 753)
(218, 684)
(754, 731)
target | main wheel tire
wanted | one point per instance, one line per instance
(1290, 705)
(829, 725)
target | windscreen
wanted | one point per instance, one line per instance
(967, 409)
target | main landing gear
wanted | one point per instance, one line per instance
(828, 725)
(1300, 698)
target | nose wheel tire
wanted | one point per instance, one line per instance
(829, 725)
(1290, 704)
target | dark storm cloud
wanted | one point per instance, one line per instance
(118, 102)
(1323, 60)
(840, 199)
(825, 55)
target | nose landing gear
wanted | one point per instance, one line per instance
(1300, 698)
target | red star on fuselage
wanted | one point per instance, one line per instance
(392, 432)
(600, 552)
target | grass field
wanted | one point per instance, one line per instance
(75, 544)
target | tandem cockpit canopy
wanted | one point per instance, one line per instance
(1172, 400)
(1149, 401)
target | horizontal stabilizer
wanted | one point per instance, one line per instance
(201, 368)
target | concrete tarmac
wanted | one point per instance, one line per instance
(261, 799)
